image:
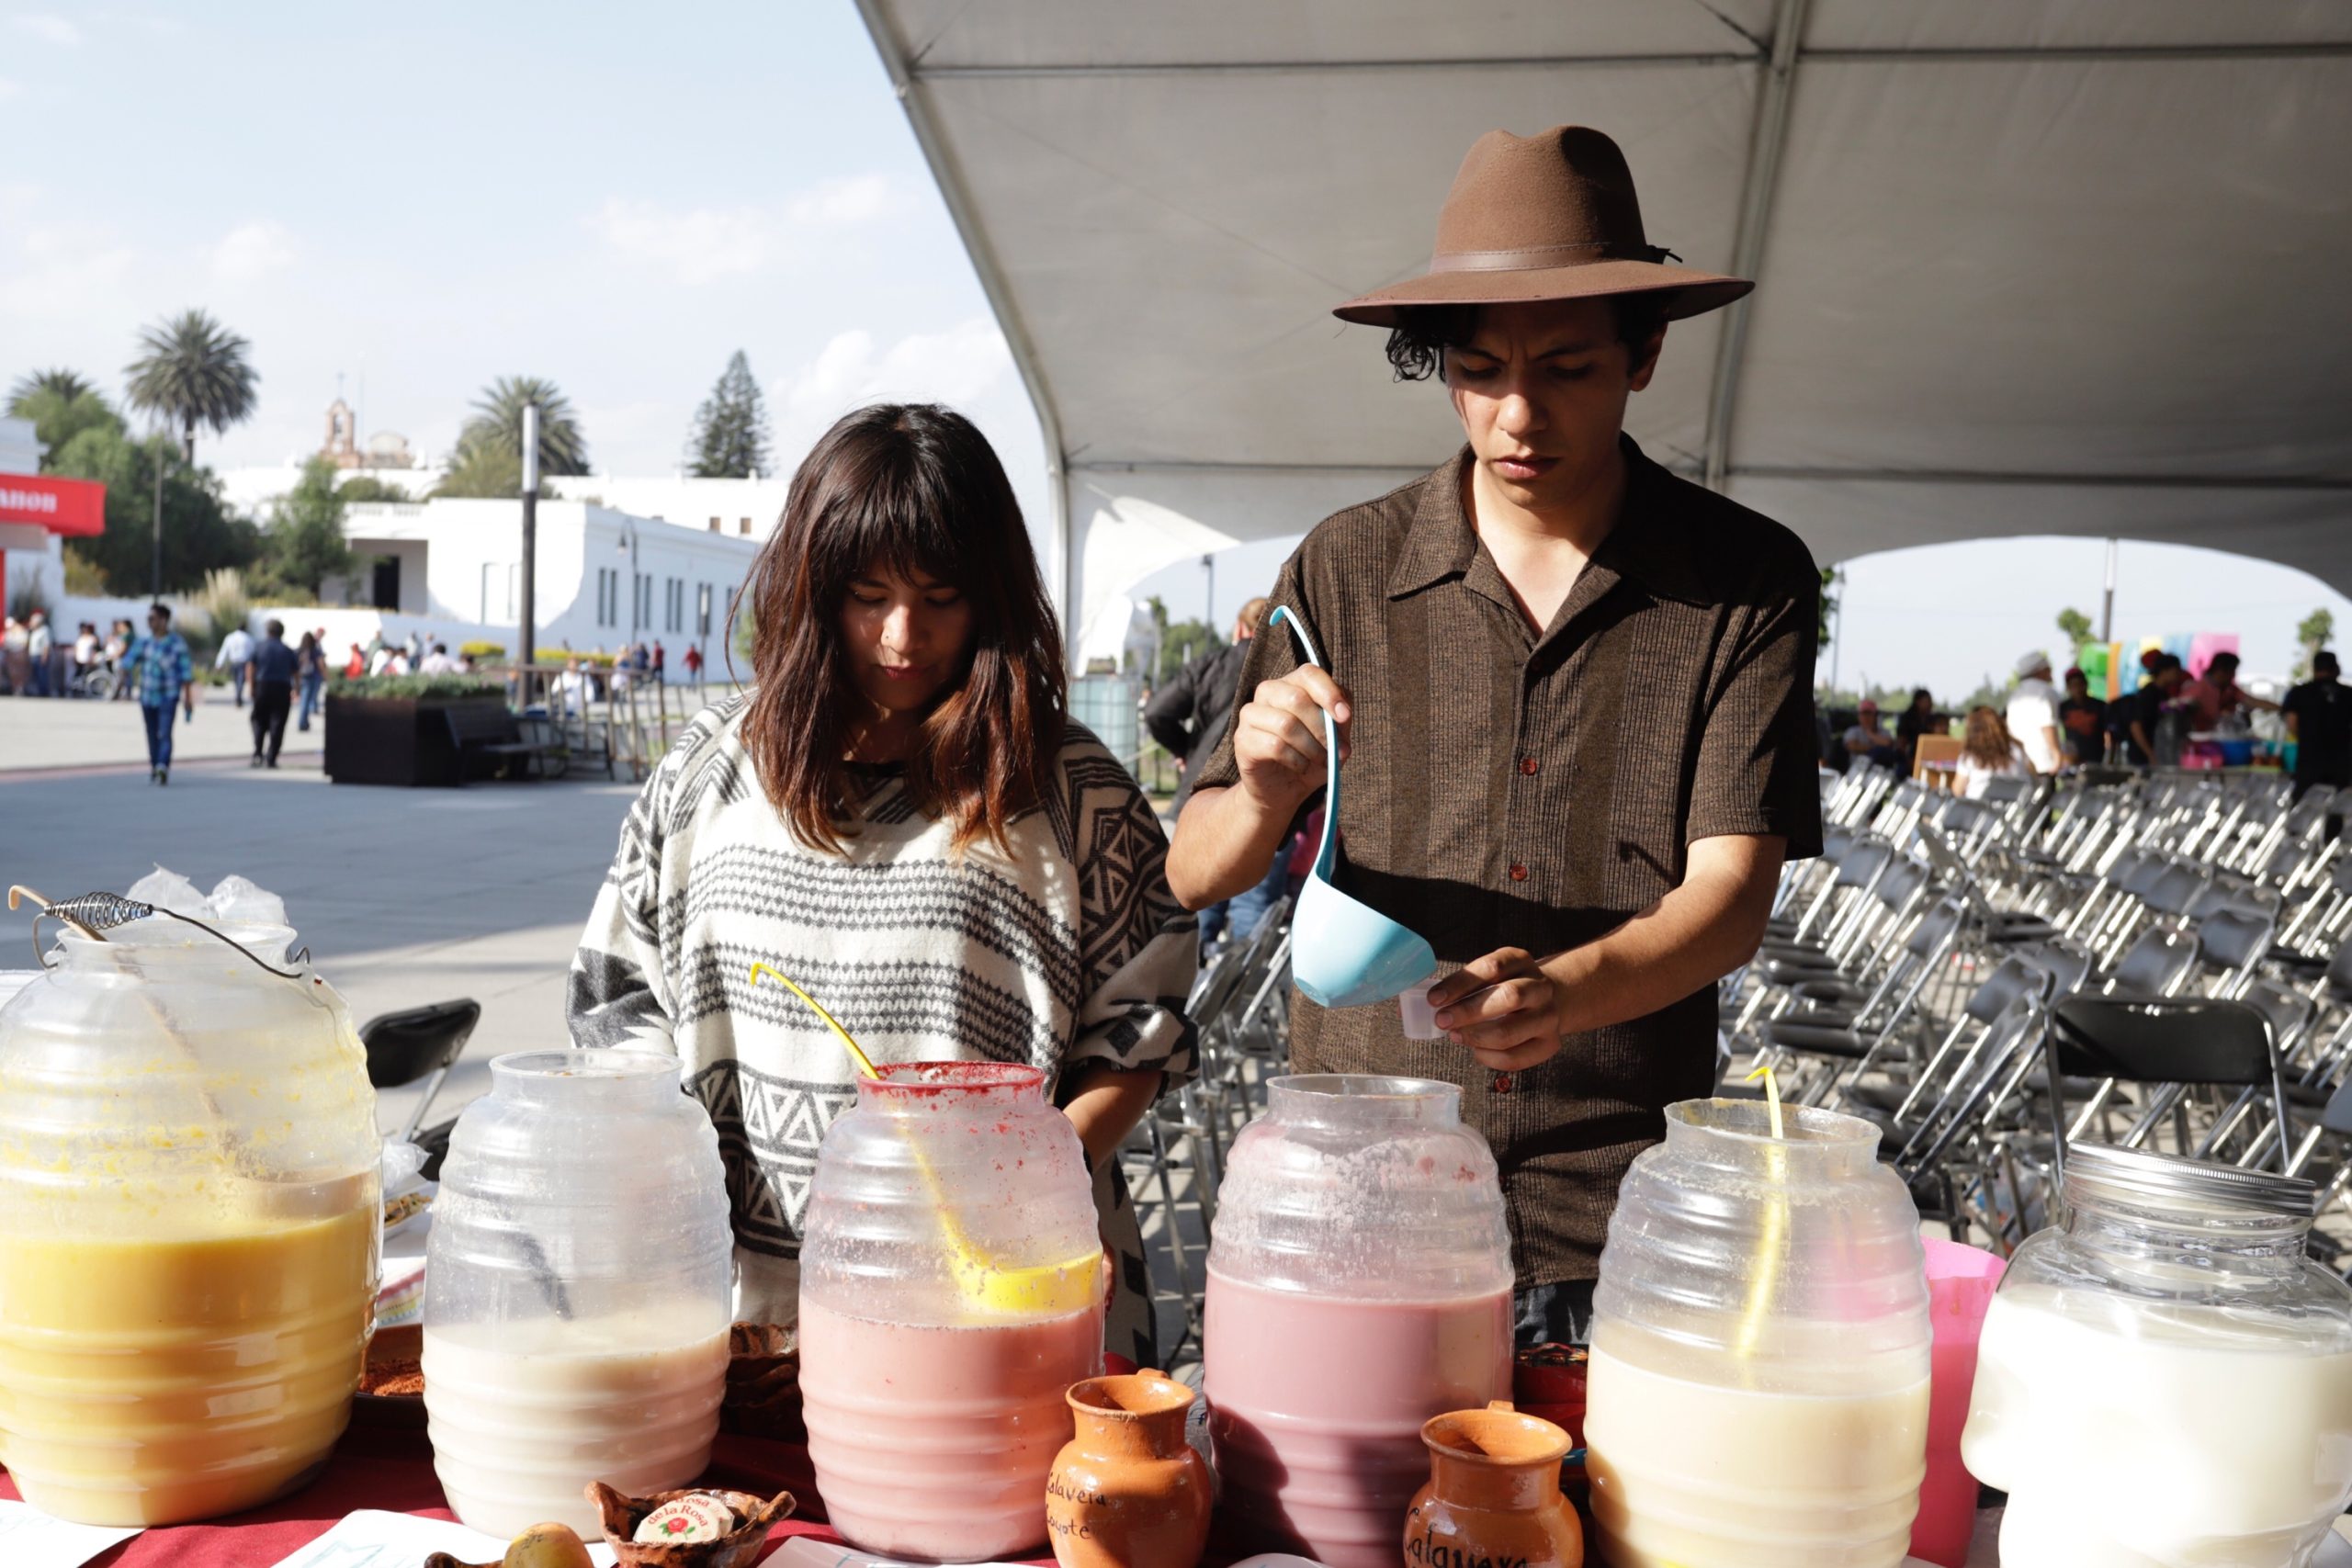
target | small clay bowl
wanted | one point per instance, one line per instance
(621, 1515)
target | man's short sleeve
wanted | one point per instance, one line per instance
(1757, 772)
(1273, 653)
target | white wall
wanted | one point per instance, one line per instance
(683, 501)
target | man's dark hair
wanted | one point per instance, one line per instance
(1416, 344)
(276, 629)
(2229, 659)
(2168, 662)
(2325, 661)
(160, 608)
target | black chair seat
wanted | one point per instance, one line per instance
(2301, 962)
(1796, 971)
(1817, 1039)
(1832, 990)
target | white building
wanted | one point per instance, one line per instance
(604, 577)
(743, 509)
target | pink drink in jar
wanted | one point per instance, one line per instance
(934, 1412)
(1359, 1283)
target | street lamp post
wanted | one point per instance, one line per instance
(161, 459)
(528, 634)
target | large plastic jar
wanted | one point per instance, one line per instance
(578, 1289)
(2165, 1377)
(1360, 1282)
(1760, 1348)
(950, 1290)
(189, 1207)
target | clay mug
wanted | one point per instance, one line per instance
(1494, 1497)
(1128, 1491)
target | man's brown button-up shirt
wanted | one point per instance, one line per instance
(1511, 789)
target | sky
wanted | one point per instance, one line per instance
(405, 202)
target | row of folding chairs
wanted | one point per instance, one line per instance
(2154, 963)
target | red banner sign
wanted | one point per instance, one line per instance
(61, 506)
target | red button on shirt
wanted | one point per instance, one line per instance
(1501, 1084)
(1527, 764)
(1518, 874)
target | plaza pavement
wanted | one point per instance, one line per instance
(404, 896)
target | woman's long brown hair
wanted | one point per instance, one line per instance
(909, 488)
(1988, 737)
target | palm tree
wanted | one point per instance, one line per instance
(496, 429)
(194, 372)
(66, 384)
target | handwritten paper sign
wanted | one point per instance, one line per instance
(371, 1538)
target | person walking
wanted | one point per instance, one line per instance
(16, 663)
(40, 648)
(119, 641)
(166, 677)
(900, 814)
(661, 661)
(693, 663)
(236, 656)
(273, 670)
(1189, 716)
(1577, 690)
(310, 672)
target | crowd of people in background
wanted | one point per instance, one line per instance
(2046, 728)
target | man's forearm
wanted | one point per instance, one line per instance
(1691, 937)
(1225, 840)
(2140, 738)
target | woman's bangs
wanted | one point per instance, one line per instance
(897, 524)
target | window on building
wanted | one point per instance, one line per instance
(702, 610)
(714, 525)
(608, 595)
(747, 526)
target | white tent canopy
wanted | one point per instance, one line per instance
(2023, 267)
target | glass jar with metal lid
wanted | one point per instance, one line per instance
(2165, 1376)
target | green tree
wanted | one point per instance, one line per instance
(58, 412)
(2074, 626)
(1185, 641)
(306, 547)
(67, 384)
(729, 440)
(194, 372)
(2312, 635)
(489, 447)
(368, 488)
(200, 534)
(1830, 578)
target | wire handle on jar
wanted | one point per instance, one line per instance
(94, 914)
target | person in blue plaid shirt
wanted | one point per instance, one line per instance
(165, 676)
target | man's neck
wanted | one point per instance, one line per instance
(1540, 553)
(1580, 521)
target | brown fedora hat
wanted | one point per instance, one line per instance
(1546, 217)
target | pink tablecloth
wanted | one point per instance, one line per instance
(393, 1470)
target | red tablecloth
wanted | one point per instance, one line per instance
(375, 1468)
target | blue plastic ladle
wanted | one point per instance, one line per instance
(1344, 953)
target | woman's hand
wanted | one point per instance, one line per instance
(1278, 736)
(1504, 1007)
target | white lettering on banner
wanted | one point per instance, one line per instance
(28, 500)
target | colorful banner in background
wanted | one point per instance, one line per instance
(2113, 669)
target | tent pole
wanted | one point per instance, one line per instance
(1764, 147)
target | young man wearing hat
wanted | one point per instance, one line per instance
(1577, 694)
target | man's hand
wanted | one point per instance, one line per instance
(1278, 736)
(1504, 1007)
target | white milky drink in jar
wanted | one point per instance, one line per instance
(577, 1289)
(2165, 1377)
(1758, 1391)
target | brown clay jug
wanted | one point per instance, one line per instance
(1494, 1497)
(1128, 1491)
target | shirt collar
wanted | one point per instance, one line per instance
(1649, 545)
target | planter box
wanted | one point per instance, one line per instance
(393, 740)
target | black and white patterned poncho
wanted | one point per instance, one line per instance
(1070, 950)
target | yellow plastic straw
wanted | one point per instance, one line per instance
(1059, 1288)
(1768, 1245)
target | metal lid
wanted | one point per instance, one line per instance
(2102, 1170)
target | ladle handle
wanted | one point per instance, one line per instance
(1323, 855)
